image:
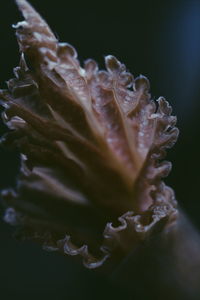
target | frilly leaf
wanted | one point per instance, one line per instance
(91, 142)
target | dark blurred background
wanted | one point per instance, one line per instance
(159, 39)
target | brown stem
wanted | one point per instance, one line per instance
(167, 266)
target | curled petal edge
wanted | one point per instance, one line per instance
(126, 234)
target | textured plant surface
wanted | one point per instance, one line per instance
(92, 145)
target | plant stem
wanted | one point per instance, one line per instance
(167, 266)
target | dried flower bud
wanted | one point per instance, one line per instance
(92, 144)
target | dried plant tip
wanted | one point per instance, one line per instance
(91, 145)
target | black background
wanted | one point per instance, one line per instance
(159, 39)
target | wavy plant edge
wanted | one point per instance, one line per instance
(89, 139)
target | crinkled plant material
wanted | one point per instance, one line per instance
(92, 145)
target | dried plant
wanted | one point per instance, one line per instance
(92, 145)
